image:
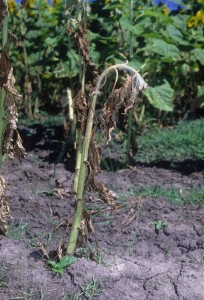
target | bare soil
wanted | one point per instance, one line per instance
(134, 261)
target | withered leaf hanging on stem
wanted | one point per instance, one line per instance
(90, 67)
(5, 67)
(12, 144)
(122, 97)
(81, 104)
(86, 226)
(80, 108)
(4, 58)
(105, 194)
(9, 85)
(4, 208)
(7, 79)
(18, 149)
(81, 99)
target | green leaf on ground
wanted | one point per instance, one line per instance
(58, 267)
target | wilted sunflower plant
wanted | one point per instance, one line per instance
(123, 96)
(10, 141)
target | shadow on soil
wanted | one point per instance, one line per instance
(59, 151)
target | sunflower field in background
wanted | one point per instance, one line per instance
(162, 39)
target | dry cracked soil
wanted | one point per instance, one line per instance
(126, 257)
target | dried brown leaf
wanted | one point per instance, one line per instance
(13, 143)
(80, 108)
(5, 67)
(80, 36)
(18, 149)
(6, 75)
(122, 97)
(5, 213)
(9, 85)
(94, 153)
(59, 250)
(43, 249)
(12, 39)
(86, 226)
(61, 192)
(132, 214)
(131, 100)
(105, 194)
(81, 41)
(2, 186)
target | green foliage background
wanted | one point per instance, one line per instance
(162, 46)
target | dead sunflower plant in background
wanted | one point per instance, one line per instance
(10, 141)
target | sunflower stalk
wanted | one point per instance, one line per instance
(138, 84)
(130, 112)
(79, 133)
(4, 31)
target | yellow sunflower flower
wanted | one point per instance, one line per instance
(200, 17)
(55, 2)
(192, 22)
(11, 6)
(31, 3)
(165, 10)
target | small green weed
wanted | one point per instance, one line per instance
(182, 196)
(3, 281)
(58, 267)
(49, 219)
(44, 118)
(182, 142)
(90, 291)
(92, 253)
(196, 196)
(16, 231)
(42, 293)
(159, 225)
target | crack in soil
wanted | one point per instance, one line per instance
(175, 287)
(71, 277)
(146, 265)
(146, 281)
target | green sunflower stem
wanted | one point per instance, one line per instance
(81, 180)
(129, 133)
(141, 85)
(2, 90)
(130, 112)
(78, 158)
